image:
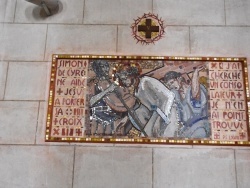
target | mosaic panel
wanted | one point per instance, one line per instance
(158, 100)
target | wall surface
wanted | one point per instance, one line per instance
(27, 42)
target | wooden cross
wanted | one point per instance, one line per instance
(148, 28)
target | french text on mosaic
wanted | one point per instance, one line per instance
(227, 101)
(68, 119)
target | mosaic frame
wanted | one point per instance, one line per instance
(146, 140)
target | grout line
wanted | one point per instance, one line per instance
(24, 100)
(83, 13)
(117, 38)
(225, 13)
(37, 120)
(152, 167)
(23, 61)
(236, 177)
(109, 145)
(34, 145)
(6, 79)
(189, 40)
(46, 38)
(74, 24)
(15, 12)
(73, 170)
(64, 24)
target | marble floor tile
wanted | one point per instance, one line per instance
(76, 39)
(24, 42)
(70, 12)
(243, 167)
(3, 73)
(7, 10)
(190, 12)
(115, 11)
(196, 168)
(36, 166)
(220, 41)
(18, 122)
(113, 167)
(237, 12)
(26, 81)
(174, 38)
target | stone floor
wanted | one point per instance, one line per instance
(27, 42)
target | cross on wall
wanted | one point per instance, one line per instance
(148, 28)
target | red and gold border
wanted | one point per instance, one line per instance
(142, 140)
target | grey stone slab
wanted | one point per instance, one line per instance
(24, 42)
(243, 167)
(18, 121)
(220, 41)
(36, 166)
(174, 42)
(185, 168)
(115, 11)
(3, 73)
(220, 147)
(113, 167)
(76, 39)
(237, 12)
(26, 81)
(69, 12)
(7, 10)
(190, 12)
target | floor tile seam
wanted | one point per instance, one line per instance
(25, 61)
(37, 121)
(153, 146)
(83, 13)
(117, 39)
(85, 145)
(220, 26)
(4, 100)
(189, 40)
(132, 147)
(235, 169)
(120, 24)
(64, 24)
(6, 79)
(73, 169)
(15, 12)
(203, 148)
(225, 12)
(45, 43)
(153, 153)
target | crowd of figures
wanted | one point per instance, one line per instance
(124, 102)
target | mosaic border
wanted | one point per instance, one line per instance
(140, 140)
